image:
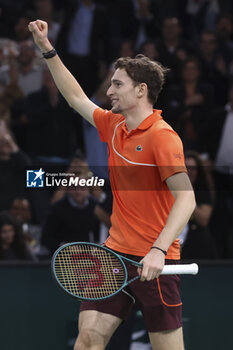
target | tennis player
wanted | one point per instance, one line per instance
(146, 221)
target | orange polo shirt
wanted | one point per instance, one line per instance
(139, 163)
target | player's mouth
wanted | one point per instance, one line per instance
(113, 101)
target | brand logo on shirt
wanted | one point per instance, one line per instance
(139, 148)
(177, 155)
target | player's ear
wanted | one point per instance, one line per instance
(142, 89)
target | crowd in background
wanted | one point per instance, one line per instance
(193, 38)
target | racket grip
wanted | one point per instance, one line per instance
(185, 269)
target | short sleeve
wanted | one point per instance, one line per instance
(105, 122)
(169, 155)
(102, 119)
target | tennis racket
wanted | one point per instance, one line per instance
(88, 271)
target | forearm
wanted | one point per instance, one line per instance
(65, 81)
(177, 219)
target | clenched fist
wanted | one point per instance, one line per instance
(39, 31)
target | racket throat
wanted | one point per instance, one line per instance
(129, 295)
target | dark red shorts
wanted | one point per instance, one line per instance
(159, 300)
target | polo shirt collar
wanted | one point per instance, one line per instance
(146, 123)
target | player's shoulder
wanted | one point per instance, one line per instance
(162, 129)
(108, 114)
(164, 136)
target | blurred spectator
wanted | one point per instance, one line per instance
(189, 104)
(21, 210)
(136, 20)
(45, 11)
(21, 28)
(149, 49)
(219, 145)
(83, 41)
(4, 66)
(127, 49)
(12, 168)
(71, 219)
(5, 114)
(202, 15)
(214, 66)
(225, 30)
(77, 164)
(29, 74)
(172, 48)
(4, 21)
(104, 200)
(44, 124)
(9, 89)
(225, 38)
(12, 243)
(196, 239)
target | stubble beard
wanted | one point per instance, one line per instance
(116, 109)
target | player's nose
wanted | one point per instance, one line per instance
(109, 91)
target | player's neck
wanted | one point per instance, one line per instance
(135, 117)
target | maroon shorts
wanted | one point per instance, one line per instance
(159, 300)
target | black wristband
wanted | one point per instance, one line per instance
(164, 251)
(49, 54)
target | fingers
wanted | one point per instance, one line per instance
(33, 27)
(139, 271)
(39, 30)
(37, 26)
(152, 266)
(148, 274)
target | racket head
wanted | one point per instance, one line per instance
(88, 271)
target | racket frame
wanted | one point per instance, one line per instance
(119, 258)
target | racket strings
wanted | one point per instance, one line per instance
(89, 271)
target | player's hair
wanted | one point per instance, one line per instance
(142, 70)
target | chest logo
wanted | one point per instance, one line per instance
(139, 148)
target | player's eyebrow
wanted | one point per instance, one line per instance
(114, 81)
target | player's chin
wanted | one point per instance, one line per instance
(116, 109)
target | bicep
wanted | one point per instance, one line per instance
(85, 107)
(179, 183)
(182, 191)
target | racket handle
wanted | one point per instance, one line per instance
(190, 269)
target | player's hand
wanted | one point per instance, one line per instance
(153, 264)
(39, 30)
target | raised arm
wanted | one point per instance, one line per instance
(65, 81)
